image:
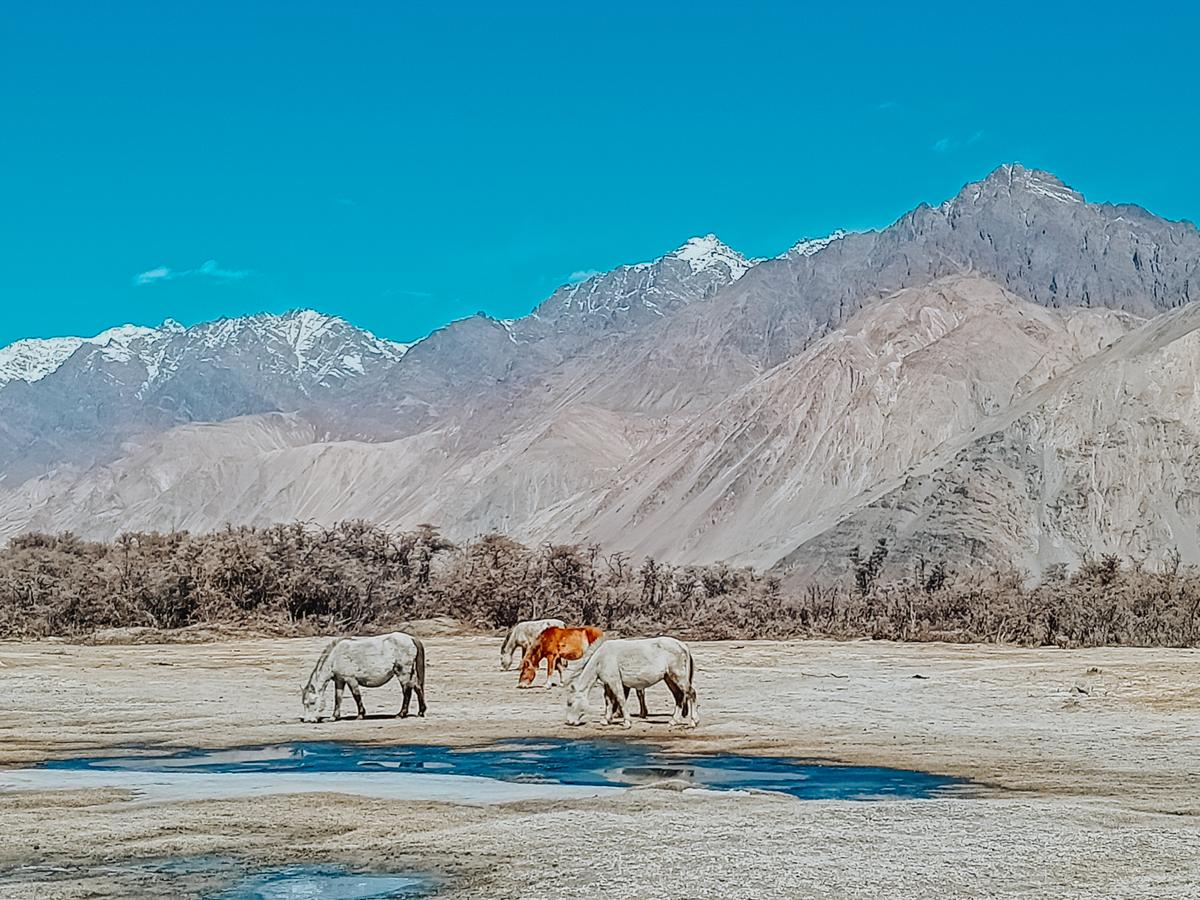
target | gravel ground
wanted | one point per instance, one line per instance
(1090, 761)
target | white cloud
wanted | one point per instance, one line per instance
(208, 269)
(582, 275)
(152, 275)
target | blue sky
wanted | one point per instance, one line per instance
(402, 166)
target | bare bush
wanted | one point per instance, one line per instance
(356, 576)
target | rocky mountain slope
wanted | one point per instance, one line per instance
(1104, 458)
(749, 481)
(770, 465)
(702, 406)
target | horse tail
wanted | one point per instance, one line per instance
(419, 664)
(690, 693)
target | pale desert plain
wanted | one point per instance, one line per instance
(1086, 764)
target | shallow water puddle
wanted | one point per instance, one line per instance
(493, 773)
(315, 883)
(221, 878)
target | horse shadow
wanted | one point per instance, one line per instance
(369, 717)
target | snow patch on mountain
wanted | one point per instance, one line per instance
(33, 359)
(1054, 189)
(125, 342)
(809, 246)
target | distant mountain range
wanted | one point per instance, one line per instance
(1008, 376)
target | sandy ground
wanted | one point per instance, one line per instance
(1091, 758)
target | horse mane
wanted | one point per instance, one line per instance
(507, 647)
(322, 660)
(537, 650)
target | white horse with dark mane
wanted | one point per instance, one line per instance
(356, 662)
(521, 637)
(621, 665)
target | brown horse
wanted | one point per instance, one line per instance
(556, 645)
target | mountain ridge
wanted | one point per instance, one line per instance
(700, 406)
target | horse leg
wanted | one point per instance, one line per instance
(680, 701)
(338, 684)
(610, 704)
(420, 700)
(641, 700)
(407, 697)
(681, 682)
(552, 662)
(353, 685)
(620, 705)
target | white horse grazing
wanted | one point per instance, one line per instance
(356, 662)
(619, 665)
(521, 637)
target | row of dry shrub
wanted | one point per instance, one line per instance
(357, 576)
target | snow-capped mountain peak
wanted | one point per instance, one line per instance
(313, 345)
(308, 331)
(32, 359)
(710, 252)
(662, 283)
(1011, 180)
